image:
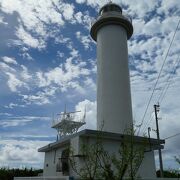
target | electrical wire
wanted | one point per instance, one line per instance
(172, 136)
(158, 78)
(161, 97)
(147, 124)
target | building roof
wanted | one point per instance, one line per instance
(104, 135)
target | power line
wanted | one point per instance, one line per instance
(169, 80)
(164, 91)
(162, 95)
(172, 136)
(158, 77)
(147, 124)
(148, 121)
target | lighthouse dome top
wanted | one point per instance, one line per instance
(110, 7)
(111, 14)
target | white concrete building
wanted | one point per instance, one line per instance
(56, 162)
(111, 30)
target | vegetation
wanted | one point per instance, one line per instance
(9, 174)
(171, 173)
(100, 164)
(177, 160)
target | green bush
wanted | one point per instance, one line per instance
(171, 173)
(9, 174)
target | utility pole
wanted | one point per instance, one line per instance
(156, 110)
(149, 135)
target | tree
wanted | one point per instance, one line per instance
(90, 156)
(129, 157)
(177, 159)
(100, 164)
(9, 174)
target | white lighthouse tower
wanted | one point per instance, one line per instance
(111, 31)
(89, 153)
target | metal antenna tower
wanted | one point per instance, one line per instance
(67, 123)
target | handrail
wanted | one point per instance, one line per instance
(123, 15)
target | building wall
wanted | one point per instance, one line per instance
(49, 165)
(114, 111)
(50, 162)
(146, 170)
(148, 167)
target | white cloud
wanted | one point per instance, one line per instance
(63, 40)
(80, 1)
(17, 77)
(13, 121)
(90, 84)
(74, 53)
(154, 24)
(25, 54)
(90, 113)
(35, 16)
(39, 99)
(6, 68)
(83, 18)
(12, 105)
(5, 114)
(13, 83)
(167, 7)
(85, 40)
(34, 13)
(9, 60)
(68, 11)
(71, 76)
(16, 153)
(95, 3)
(28, 40)
(79, 16)
(2, 21)
(25, 74)
(63, 74)
(42, 80)
(60, 54)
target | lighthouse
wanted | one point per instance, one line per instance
(111, 31)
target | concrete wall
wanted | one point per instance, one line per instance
(114, 111)
(147, 168)
(50, 162)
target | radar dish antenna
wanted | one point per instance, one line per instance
(68, 123)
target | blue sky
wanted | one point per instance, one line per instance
(48, 59)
